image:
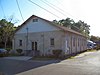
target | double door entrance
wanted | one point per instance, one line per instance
(34, 46)
(35, 49)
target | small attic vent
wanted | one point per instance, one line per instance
(35, 20)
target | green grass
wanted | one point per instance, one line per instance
(71, 57)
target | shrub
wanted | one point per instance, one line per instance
(98, 48)
(19, 51)
(8, 49)
(1, 55)
(56, 53)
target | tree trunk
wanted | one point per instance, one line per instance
(5, 44)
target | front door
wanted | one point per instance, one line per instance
(34, 46)
(35, 49)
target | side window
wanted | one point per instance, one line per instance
(20, 42)
(78, 41)
(74, 41)
(52, 42)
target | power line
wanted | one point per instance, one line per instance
(53, 7)
(43, 8)
(19, 10)
(49, 11)
(60, 8)
(2, 10)
(66, 11)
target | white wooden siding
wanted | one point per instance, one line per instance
(40, 26)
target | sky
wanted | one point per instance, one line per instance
(85, 10)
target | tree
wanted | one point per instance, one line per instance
(79, 26)
(94, 38)
(6, 31)
(76, 27)
(55, 21)
(67, 22)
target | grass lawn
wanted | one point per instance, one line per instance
(83, 54)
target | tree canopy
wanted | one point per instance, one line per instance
(6, 31)
(95, 38)
(79, 26)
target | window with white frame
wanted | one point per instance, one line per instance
(20, 42)
(52, 41)
(78, 41)
(74, 41)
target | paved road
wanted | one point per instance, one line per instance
(88, 64)
(12, 67)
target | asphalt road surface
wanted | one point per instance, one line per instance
(86, 64)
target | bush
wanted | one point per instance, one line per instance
(19, 51)
(2, 55)
(57, 53)
(8, 49)
(98, 48)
